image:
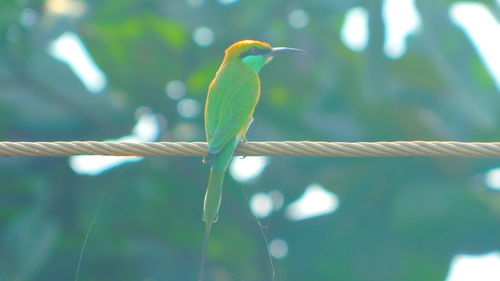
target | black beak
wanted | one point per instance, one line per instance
(284, 50)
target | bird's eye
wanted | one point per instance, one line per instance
(251, 52)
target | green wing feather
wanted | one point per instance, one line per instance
(231, 102)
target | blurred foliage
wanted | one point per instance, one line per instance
(399, 219)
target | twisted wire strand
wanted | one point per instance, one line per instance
(271, 148)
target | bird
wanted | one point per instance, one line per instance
(232, 97)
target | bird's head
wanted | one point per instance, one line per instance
(255, 54)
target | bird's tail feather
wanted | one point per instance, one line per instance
(210, 210)
(213, 195)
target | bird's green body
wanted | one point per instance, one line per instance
(232, 97)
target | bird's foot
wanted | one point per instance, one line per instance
(208, 159)
(243, 140)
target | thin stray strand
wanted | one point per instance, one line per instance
(92, 222)
(264, 236)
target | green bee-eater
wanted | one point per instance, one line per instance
(232, 97)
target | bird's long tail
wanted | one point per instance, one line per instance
(210, 210)
(213, 195)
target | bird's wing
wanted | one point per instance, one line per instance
(231, 101)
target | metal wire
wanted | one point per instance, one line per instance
(272, 148)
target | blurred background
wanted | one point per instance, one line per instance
(139, 70)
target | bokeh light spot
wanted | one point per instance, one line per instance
(71, 8)
(278, 248)
(203, 36)
(261, 205)
(227, 2)
(146, 130)
(70, 49)
(492, 179)
(248, 168)
(28, 17)
(277, 199)
(188, 108)
(175, 89)
(298, 18)
(315, 201)
(354, 31)
(480, 25)
(475, 267)
(401, 19)
(148, 125)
